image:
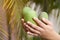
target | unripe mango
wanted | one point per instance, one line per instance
(43, 15)
(28, 14)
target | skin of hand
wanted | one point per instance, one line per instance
(43, 29)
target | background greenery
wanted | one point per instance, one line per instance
(11, 14)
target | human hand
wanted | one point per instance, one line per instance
(43, 29)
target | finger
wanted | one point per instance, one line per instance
(26, 29)
(40, 23)
(35, 26)
(22, 20)
(31, 29)
(33, 34)
(46, 21)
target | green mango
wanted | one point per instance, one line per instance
(28, 14)
(43, 15)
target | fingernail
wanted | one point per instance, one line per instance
(28, 22)
(35, 18)
(28, 32)
(43, 18)
(22, 19)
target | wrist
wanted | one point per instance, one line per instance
(57, 37)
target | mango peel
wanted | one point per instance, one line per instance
(43, 15)
(28, 14)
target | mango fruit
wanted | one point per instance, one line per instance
(43, 15)
(28, 14)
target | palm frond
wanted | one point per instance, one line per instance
(3, 25)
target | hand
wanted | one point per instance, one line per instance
(43, 29)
